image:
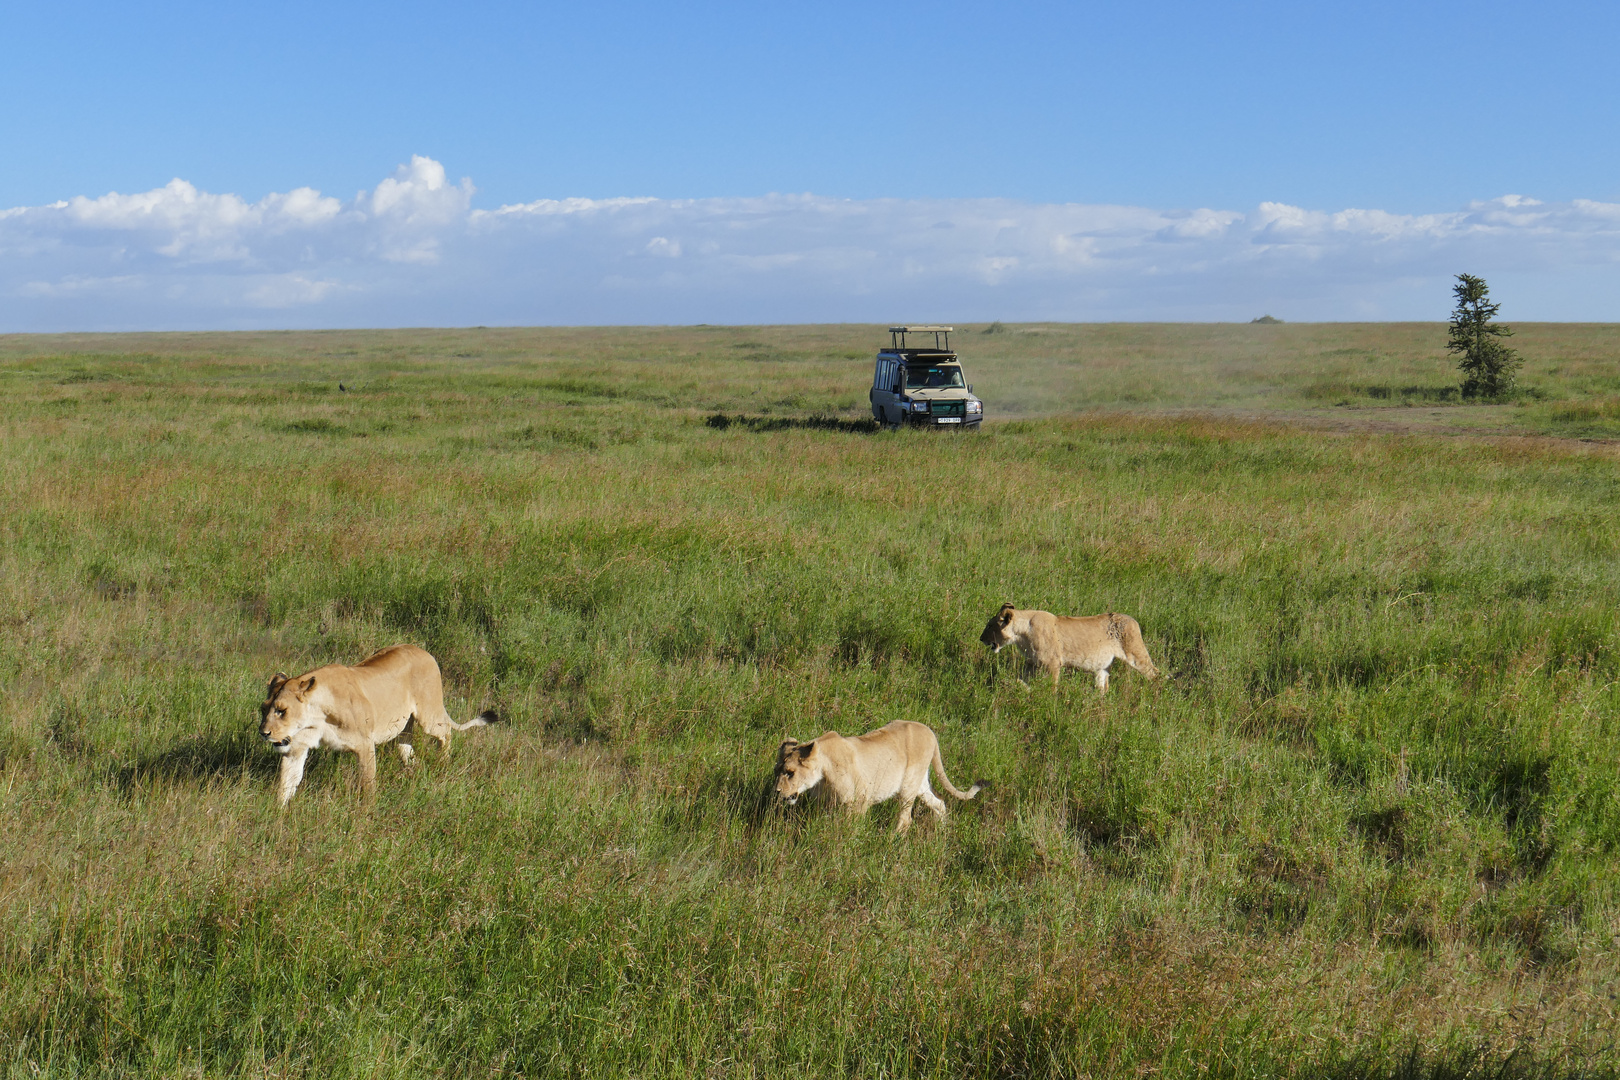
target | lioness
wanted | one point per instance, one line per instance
(868, 769)
(1053, 642)
(388, 695)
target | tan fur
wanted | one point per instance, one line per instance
(385, 697)
(868, 769)
(1051, 643)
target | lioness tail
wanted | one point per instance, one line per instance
(945, 781)
(488, 716)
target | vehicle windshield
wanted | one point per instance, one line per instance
(926, 378)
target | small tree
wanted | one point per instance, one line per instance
(1487, 363)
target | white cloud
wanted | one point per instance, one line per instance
(288, 290)
(414, 251)
(73, 286)
(417, 193)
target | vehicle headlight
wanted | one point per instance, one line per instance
(976, 406)
(919, 406)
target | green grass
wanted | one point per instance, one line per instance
(1368, 825)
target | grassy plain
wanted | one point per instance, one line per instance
(1368, 826)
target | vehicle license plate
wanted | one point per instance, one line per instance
(947, 419)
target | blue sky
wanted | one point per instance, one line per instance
(1412, 110)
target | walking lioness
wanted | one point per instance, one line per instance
(1053, 642)
(387, 696)
(868, 769)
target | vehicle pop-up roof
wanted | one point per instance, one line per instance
(897, 341)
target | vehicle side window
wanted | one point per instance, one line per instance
(877, 375)
(885, 375)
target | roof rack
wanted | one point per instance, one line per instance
(897, 335)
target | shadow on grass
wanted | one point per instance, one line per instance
(749, 799)
(318, 425)
(1326, 389)
(201, 759)
(1045, 1043)
(1469, 1064)
(784, 423)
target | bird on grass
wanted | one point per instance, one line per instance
(343, 388)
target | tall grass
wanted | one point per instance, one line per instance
(1366, 826)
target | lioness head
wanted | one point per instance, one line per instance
(998, 631)
(286, 710)
(798, 769)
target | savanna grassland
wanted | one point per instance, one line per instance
(1368, 825)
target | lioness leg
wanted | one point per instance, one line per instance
(368, 768)
(1102, 679)
(932, 801)
(1142, 663)
(904, 822)
(403, 742)
(1134, 652)
(439, 727)
(292, 772)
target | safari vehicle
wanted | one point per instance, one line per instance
(923, 387)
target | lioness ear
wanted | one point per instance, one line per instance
(277, 681)
(782, 751)
(308, 685)
(1006, 613)
(806, 750)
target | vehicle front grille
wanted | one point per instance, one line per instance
(948, 408)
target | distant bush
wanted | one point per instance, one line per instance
(1266, 320)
